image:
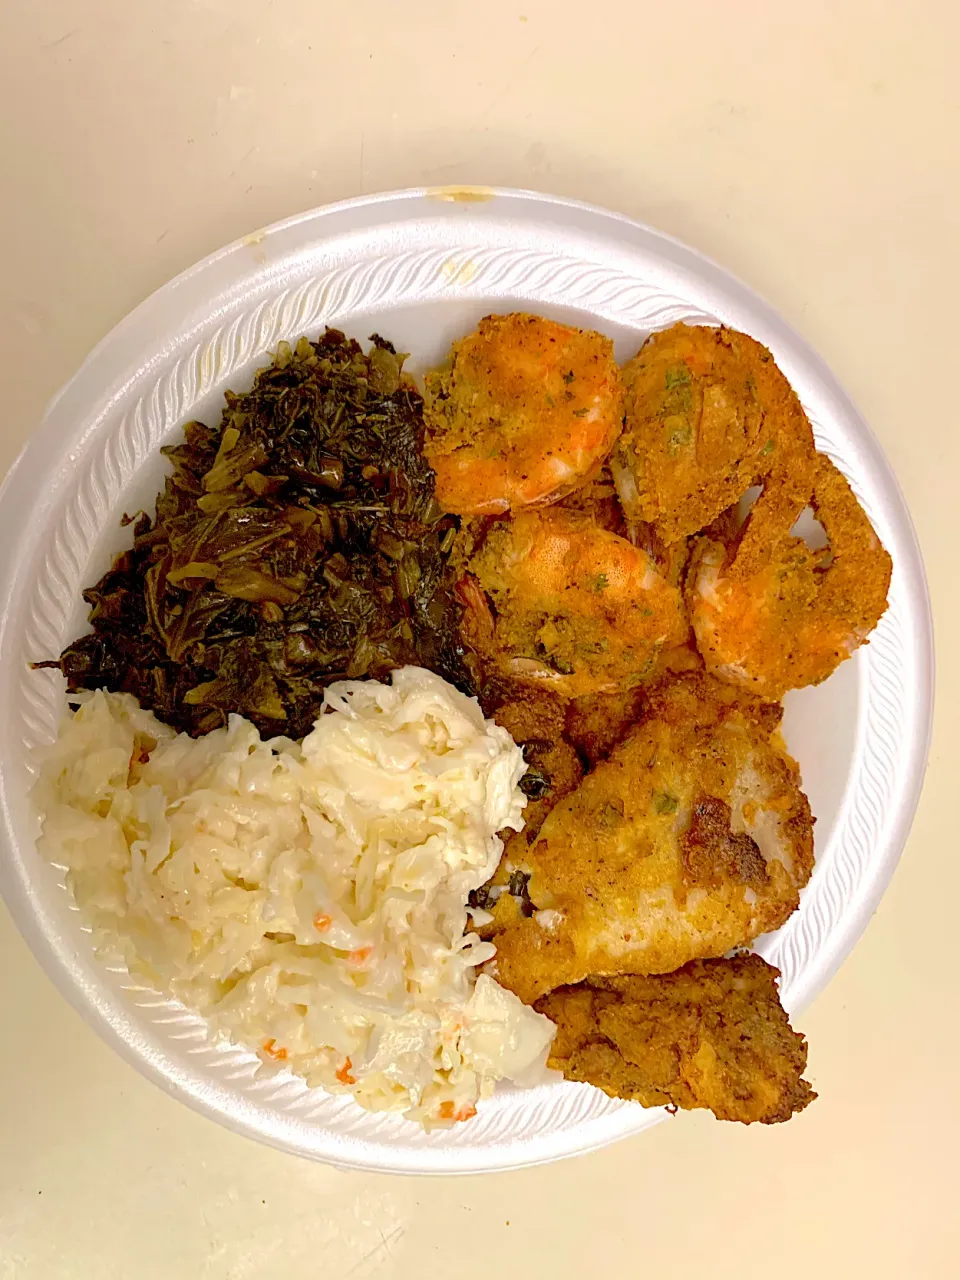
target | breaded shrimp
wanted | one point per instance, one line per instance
(526, 411)
(574, 607)
(707, 413)
(771, 614)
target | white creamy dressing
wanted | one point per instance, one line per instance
(310, 900)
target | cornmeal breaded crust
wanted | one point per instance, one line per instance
(691, 838)
(712, 1035)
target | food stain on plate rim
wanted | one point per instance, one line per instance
(458, 272)
(461, 195)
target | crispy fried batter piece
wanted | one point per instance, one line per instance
(691, 838)
(707, 412)
(597, 722)
(770, 613)
(711, 1035)
(527, 411)
(597, 498)
(534, 718)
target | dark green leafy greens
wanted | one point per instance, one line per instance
(297, 544)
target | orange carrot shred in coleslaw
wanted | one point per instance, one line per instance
(343, 1075)
(449, 1112)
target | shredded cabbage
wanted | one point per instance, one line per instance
(309, 899)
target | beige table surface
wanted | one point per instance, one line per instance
(810, 147)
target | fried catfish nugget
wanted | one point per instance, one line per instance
(527, 410)
(711, 1035)
(691, 838)
(770, 613)
(707, 413)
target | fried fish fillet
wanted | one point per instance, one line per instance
(693, 837)
(711, 1035)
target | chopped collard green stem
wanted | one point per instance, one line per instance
(296, 544)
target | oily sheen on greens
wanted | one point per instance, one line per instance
(296, 544)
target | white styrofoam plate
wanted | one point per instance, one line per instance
(422, 267)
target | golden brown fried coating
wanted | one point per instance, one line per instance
(597, 498)
(711, 1035)
(506, 908)
(707, 412)
(766, 715)
(577, 608)
(772, 614)
(535, 720)
(670, 557)
(527, 410)
(691, 838)
(597, 722)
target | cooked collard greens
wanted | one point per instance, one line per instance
(296, 544)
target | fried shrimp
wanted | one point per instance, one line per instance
(707, 413)
(553, 599)
(693, 837)
(780, 616)
(526, 411)
(711, 1035)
